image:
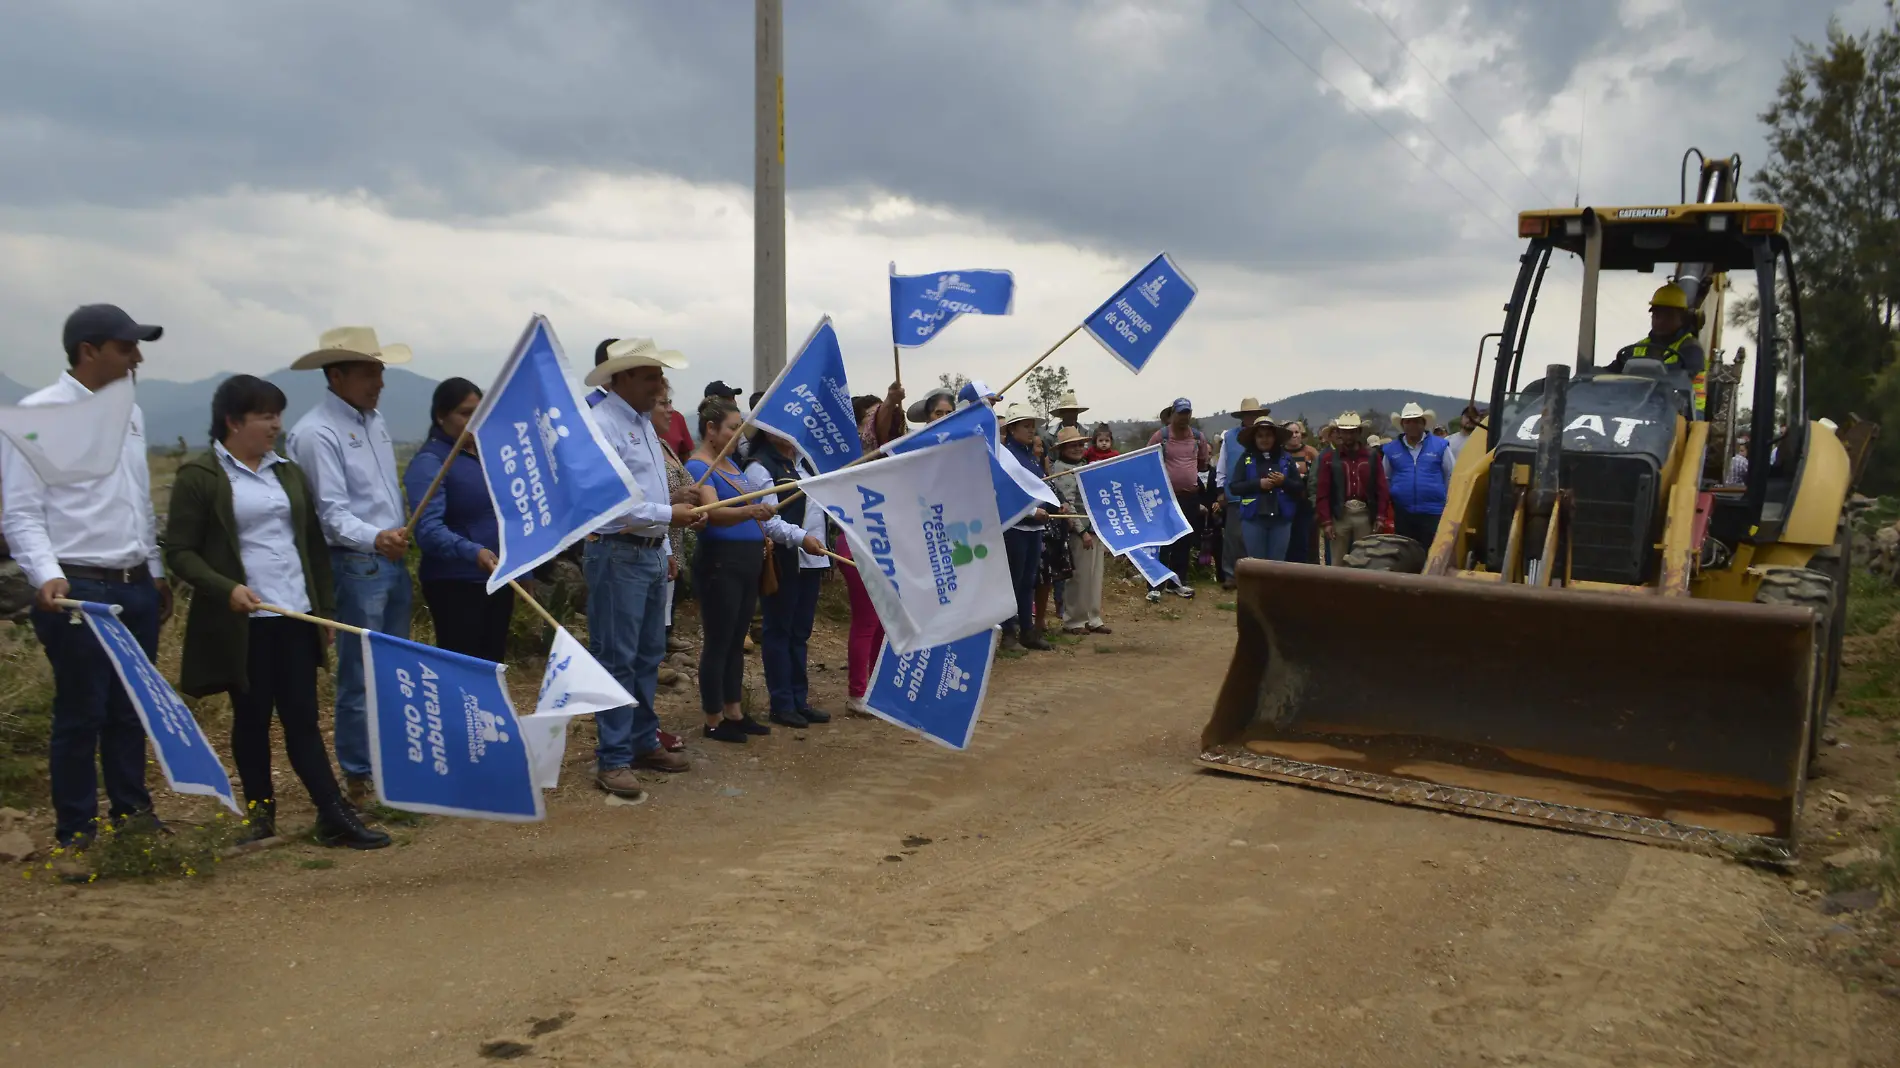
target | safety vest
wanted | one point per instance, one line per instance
(1672, 357)
(1418, 486)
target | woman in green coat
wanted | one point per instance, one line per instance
(243, 533)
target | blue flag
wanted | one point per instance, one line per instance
(1131, 324)
(184, 753)
(938, 691)
(809, 404)
(923, 304)
(1130, 501)
(1014, 498)
(442, 733)
(551, 475)
(1148, 562)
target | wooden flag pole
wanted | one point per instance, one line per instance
(1050, 352)
(534, 604)
(307, 618)
(897, 365)
(731, 443)
(409, 528)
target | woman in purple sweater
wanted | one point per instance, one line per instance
(458, 533)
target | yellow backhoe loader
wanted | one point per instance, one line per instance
(1602, 636)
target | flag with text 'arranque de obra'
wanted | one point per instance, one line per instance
(1148, 562)
(551, 475)
(1130, 501)
(1131, 324)
(927, 540)
(443, 737)
(937, 692)
(1017, 491)
(184, 753)
(574, 684)
(809, 404)
(923, 304)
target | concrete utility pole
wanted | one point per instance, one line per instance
(768, 197)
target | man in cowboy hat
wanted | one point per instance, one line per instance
(1350, 499)
(344, 448)
(1418, 470)
(626, 563)
(1227, 456)
(1067, 412)
(95, 540)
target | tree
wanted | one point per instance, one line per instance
(1046, 387)
(1834, 164)
(952, 383)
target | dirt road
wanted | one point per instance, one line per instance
(1071, 891)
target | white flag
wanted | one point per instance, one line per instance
(574, 685)
(1031, 484)
(74, 442)
(925, 533)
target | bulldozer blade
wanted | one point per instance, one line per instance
(1628, 715)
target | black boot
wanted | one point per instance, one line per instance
(263, 820)
(339, 825)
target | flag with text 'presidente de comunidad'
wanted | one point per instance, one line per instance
(75, 442)
(1017, 491)
(937, 692)
(923, 304)
(551, 475)
(927, 540)
(1130, 502)
(809, 404)
(1131, 324)
(185, 755)
(574, 684)
(443, 737)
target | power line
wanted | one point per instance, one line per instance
(1426, 126)
(1449, 95)
(1363, 113)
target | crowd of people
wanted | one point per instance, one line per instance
(272, 543)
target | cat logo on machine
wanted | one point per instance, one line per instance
(1625, 427)
(1642, 213)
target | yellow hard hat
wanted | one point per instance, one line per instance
(1670, 296)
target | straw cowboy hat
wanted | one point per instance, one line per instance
(1263, 420)
(1348, 421)
(1068, 435)
(1251, 406)
(1413, 411)
(1017, 412)
(1068, 403)
(631, 352)
(350, 344)
(919, 410)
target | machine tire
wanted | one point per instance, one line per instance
(1387, 552)
(1813, 588)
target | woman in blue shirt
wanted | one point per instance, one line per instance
(1268, 483)
(457, 532)
(726, 571)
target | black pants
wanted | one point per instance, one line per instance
(1025, 564)
(469, 619)
(282, 671)
(726, 584)
(1178, 555)
(1421, 527)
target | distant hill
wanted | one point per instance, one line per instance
(1314, 408)
(183, 409)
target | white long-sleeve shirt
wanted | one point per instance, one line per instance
(350, 462)
(781, 531)
(107, 522)
(637, 443)
(267, 543)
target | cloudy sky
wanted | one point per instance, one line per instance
(250, 172)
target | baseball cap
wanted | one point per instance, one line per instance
(94, 323)
(1182, 404)
(717, 388)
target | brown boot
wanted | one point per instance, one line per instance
(661, 760)
(620, 782)
(359, 791)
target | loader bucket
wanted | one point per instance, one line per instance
(1628, 715)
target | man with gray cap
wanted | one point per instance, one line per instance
(93, 540)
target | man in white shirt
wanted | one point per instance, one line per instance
(625, 564)
(91, 541)
(345, 451)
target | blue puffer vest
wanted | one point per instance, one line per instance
(1418, 488)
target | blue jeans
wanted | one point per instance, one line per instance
(91, 713)
(788, 620)
(626, 632)
(371, 592)
(1025, 562)
(1267, 539)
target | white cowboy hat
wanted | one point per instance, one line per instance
(1412, 411)
(1068, 403)
(1348, 421)
(1251, 406)
(631, 352)
(350, 344)
(1017, 412)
